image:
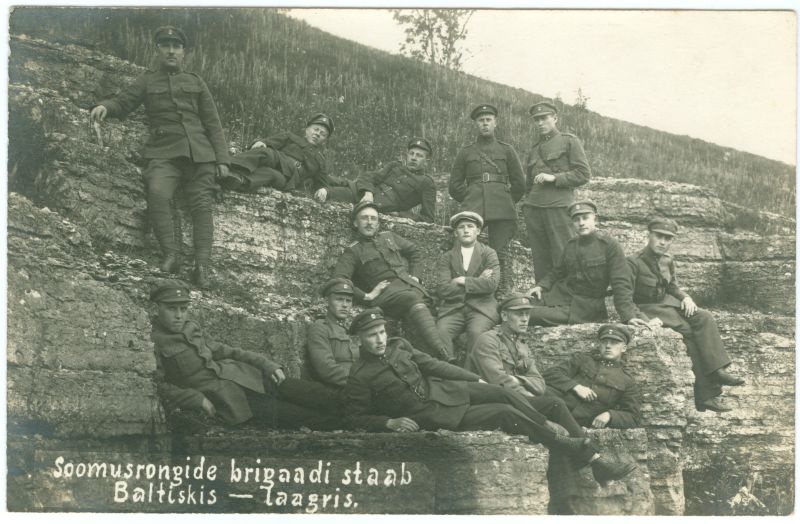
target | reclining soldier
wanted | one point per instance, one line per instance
(197, 373)
(394, 387)
(376, 264)
(398, 187)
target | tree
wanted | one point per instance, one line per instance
(433, 35)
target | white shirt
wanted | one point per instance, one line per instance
(466, 255)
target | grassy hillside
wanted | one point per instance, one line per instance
(269, 72)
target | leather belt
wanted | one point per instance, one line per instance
(487, 177)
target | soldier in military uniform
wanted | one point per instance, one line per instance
(398, 187)
(487, 179)
(197, 373)
(331, 351)
(287, 161)
(375, 264)
(555, 167)
(658, 296)
(466, 280)
(595, 387)
(575, 290)
(394, 387)
(501, 356)
(186, 146)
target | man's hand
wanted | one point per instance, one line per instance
(368, 197)
(536, 292)
(486, 273)
(321, 195)
(222, 171)
(688, 307)
(376, 291)
(278, 376)
(639, 322)
(459, 281)
(585, 393)
(99, 113)
(655, 322)
(402, 424)
(601, 420)
(208, 407)
(541, 178)
(258, 144)
(416, 279)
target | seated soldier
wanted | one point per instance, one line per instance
(394, 387)
(331, 351)
(501, 357)
(658, 296)
(397, 187)
(376, 264)
(285, 161)
(575, 290)
(598, 392)
(235, 385)
(466, 280)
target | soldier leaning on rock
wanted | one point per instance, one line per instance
(398, 187)
(657, 294)
(186, 147)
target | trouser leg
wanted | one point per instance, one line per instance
(346, 193)
(162, 177)
(711, 351)
(265, 177)
(309, 394)
(500, 234)
(450, 326)
(538, 241)
(559, 230)
(555, 409)
(476, 324)
(421, 318)
(549, 315)
(199, 189)
(269, 410)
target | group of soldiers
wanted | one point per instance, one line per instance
(377, 383)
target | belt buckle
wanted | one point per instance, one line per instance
(485, 177)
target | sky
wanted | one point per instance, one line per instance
(727, 77)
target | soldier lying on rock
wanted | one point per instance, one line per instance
(286, 161)
(197, 373)
(186, 147)
(394, 387)
(658, 296)
(398, 187)
(375, 264)
(596, 389)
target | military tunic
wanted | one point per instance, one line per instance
(397, 188)
(616, 390)
(657, 294)
(499, 357)
(331, 352)
(574, 291)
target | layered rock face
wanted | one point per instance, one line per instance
(81, 365)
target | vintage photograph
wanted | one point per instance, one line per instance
(419, 260)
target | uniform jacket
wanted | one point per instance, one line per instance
(331, 352)
(405, 382)
(587, 267)
(498, 357)
(616, 391)
(478, 291)
(368, 261)
(192, 367)
(491, 200)
(398, 188)
(561, 155)
(653, 279)
(182, 116)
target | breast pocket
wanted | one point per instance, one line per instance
(609, 391)
(595, 268)
(191, 96)
(558, 160)
(158, 99)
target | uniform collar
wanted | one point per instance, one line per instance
(607, 363)
(550, 135)
(333, 321)
(369, 357)
(506, 332)
(486, 139)
(647, 252)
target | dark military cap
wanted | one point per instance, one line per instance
(366, 319)
(363, 205)
(483, 109)
(168, 32)
(170, 291)
(615, 331)
(515, 301)
(323, 120)
(466, 215)
(666, 226)
(583, 206)
(336, 285)
(421, 143)
(544, 107)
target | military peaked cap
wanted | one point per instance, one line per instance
(366, 319)
(170, 291)
(515, 301)
(583, 206)
(666, 226)
(323, 120)
(466, 215)
(168, 32)
(421, 143)
(544, 107)
(615, 331)
(363, 205)
(336, 285)
(483, 109)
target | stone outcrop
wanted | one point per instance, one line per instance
(80, 363)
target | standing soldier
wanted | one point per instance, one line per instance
(555, 167)
(575, 290)
(657, 295)
(397, 187)
(487, 179)
(186, 146)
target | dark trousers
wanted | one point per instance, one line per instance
(549, 315)
(403, 301)
(346, 193)
(162, 177)
(466, 319)
(296, 403)
(703, 344)
(555, 409)
(549, 229)
(500, 233)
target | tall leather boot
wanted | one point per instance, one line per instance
(203, 233)
(506, 284)
(422, 320)
(160, 213)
